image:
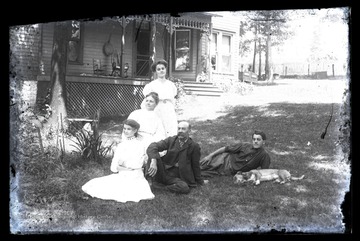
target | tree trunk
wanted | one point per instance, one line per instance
(269, 70)
(254, 58)
(259, 75)
(58, 75)
(268, 60)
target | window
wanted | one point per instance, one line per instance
(226, 53)
(214, 51)
(221, 52)
(182, 50)
(75, 45)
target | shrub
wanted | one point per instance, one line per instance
(88, 143)
(42, 176)
(46, 177)
(181, 94)
(233, 86)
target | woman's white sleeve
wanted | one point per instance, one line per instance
(174, 89)
(146, 89)
(115, 161)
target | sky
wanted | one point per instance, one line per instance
(331, 35)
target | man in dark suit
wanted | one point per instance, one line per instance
(179, 169)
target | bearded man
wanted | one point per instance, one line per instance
(179, 169)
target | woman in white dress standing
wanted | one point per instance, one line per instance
(167, 91)
(151, 126)
(128, 182)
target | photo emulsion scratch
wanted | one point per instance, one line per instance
(230, 122)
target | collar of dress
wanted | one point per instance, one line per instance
(131, 138)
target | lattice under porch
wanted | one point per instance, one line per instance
(114, 97)
(84, 99)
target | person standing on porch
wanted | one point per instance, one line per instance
(167, 91)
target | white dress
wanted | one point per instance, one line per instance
(151, 126)
(128, 183)
(166, 107)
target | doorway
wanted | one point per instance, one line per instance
(142, 43)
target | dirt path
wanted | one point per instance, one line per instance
(285, 90)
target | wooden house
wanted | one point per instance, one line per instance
(226, 63)
(224, 50)
(109, 60)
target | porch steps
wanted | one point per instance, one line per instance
(201, 89)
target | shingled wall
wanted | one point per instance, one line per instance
(24, 61)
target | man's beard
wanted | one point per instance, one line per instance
(181, 135)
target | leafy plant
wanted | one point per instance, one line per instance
(234, 86)
(180, 97)
(90, 146)
(88, 142)
(203, 76)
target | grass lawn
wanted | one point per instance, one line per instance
(311, 205)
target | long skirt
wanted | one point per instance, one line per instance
(127, 185)
(166, 111)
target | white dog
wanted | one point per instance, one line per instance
(258, 175)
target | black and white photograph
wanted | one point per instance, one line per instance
(199, 122)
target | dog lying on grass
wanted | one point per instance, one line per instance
(259, 175)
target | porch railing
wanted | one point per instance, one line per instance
(165, 19)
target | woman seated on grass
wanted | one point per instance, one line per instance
(128, 183)
(151, 126)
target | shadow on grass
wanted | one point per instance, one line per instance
(294, 143)
(291, 129)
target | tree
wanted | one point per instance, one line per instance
(273, 30)
(244, 42)
(58, 75)
(269, 29)
(248, 36)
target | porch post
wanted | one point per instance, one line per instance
(153, 42)
(208, 50)
(122, 46)
(170, 45)
(199, 60)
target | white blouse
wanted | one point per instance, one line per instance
(129, 154)
(150, 124)
(165, 89)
